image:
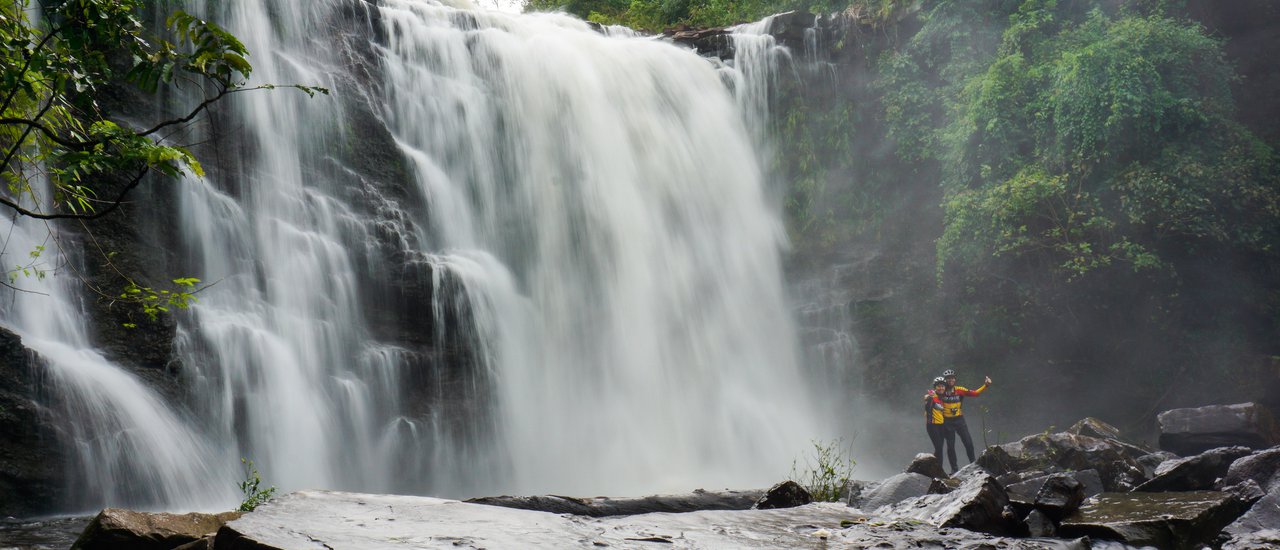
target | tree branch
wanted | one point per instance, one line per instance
(70, 144)
(96, 214)
(23, 138)
(27, 65)
(201, 107)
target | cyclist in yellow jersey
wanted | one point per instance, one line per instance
(953, 416)
(933, 419)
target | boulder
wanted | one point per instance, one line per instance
(1059, 496)
(712, 42)
(1113, 460)
(1093, 427)
(970, 470)
(1014, 478)
(116, 528)
(1164, 520)
(893, 490)
(1261, 467)
(1263, 515)
(853, 488)
(787, 494)
(605, 506)
(927, 464)
(1189, 431)
(1196, 473)
(1150, 462)
(789, 27)
(977, 505)
(1126, 476)
(1260, 539)
(1039, 525)
(1091, 481)
(1023, 493)
(1248, 491)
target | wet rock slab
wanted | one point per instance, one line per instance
(320, 519)
(1115, 461)
(978, 505)
(1163, 520)
(1196, 473)
(1260, 526)
(1195, 430)
(892, 491)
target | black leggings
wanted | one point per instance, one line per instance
(936, 436)
(955, 426)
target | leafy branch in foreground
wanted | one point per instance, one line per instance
(254, 494)
(826, 472)
(61, 155)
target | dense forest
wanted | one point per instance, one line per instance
(1078, 198)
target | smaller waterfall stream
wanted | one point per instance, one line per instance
(118, 430)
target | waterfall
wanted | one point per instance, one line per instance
(759, 61)
(128, 447)
(559, 271)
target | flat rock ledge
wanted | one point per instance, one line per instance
(336, 520)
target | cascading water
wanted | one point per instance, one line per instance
(129, 448)
(585, 216)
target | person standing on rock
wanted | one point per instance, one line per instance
(953, 417)
(933, 420)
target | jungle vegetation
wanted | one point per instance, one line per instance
(1068, 188)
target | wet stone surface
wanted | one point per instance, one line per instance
(316, 519)
(1163, 520)
(41, 534)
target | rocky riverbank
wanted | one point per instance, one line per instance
(1086, 487)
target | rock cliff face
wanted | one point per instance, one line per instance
(31, 462)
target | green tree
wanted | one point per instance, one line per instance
(1095, 181)
(64, 157)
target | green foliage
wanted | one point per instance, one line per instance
(154, 302)
(826, 472)
(50, 74)
(1092, 141)
(254, 494)
(656, 15)
(53, 130)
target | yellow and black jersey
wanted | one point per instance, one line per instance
(953, 398)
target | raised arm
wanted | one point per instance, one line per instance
(974, 392)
